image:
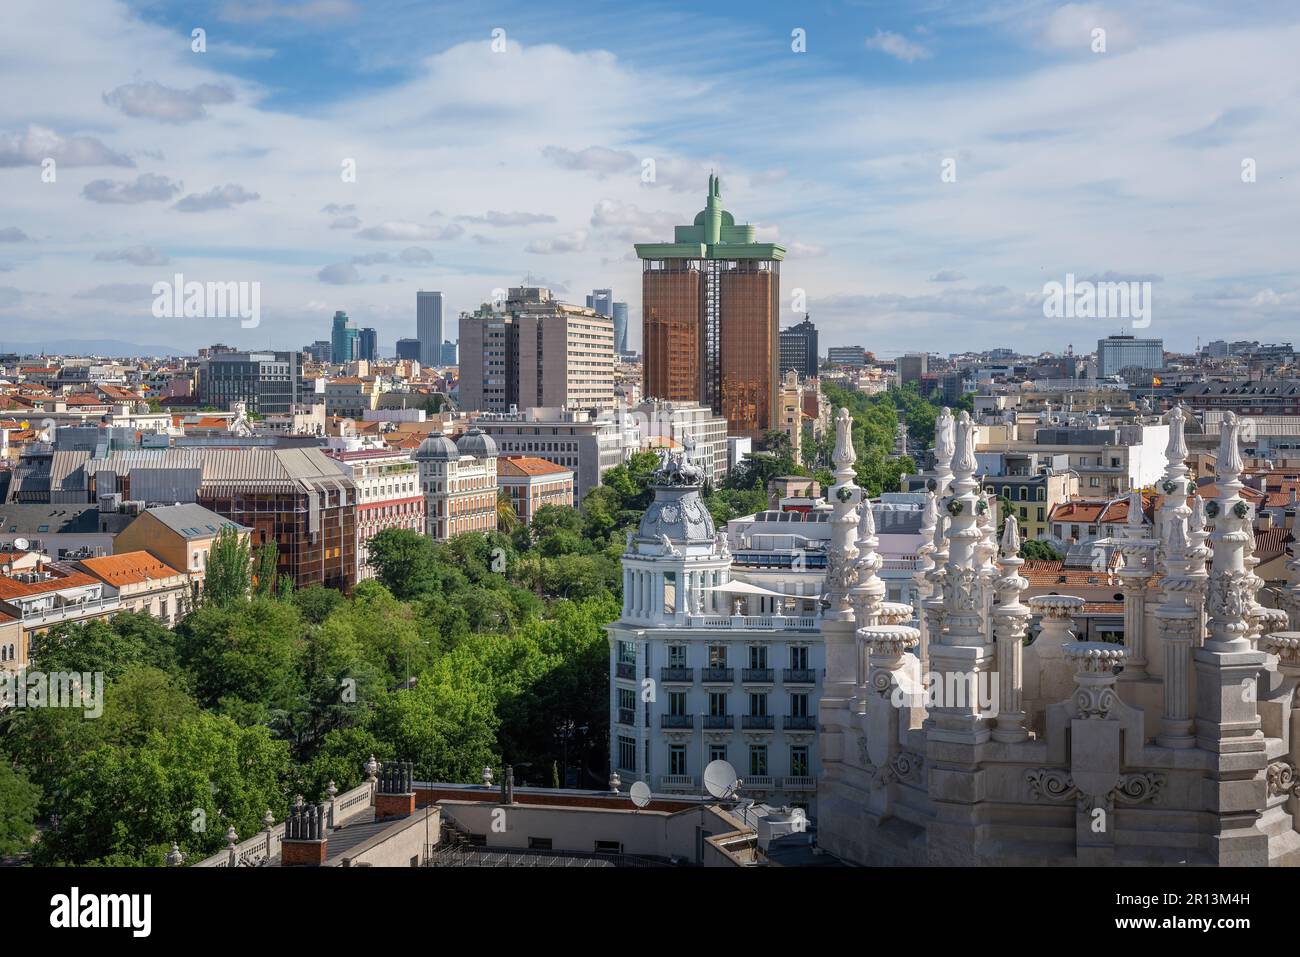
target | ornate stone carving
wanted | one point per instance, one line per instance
(1057, 786)
(1280, 776)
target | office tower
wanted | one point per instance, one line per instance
(368, 344)
(428, 326)
(343, 339)
(854, 356)
(912, 367)
(710, 302)
(799, 349)
(449, 354)
(620, 327)
(1117, 353)
(536, 352)
(268, 383)
(408, 349)
(602, 300)
(320, 350)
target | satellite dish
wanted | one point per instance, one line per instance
(720, 779)
(21, 544)
(640, 793)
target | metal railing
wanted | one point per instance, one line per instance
(717, 721)
(756, 722)
(800, 676)
(676, 674)
(677, 721)
(799, 722)
(718, 674)
(758, 675)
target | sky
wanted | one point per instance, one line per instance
(929, 166)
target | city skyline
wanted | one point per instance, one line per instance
(229, 165)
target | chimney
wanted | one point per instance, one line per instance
(395, 796)
(304, 843)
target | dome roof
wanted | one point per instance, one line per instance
(437, 448)
(477, 443)
(679, 513)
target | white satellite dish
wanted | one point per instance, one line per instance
(720, 779)
(20, 544)
(640, 794)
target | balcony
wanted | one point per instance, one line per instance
(686, 675)
(756, 722)
(761, 676)
(69, 611)
(799, 783)
(677, 782)
(799, 722)
(678, 721)
(758, 782)
(714, 722)
(800, 676)
(718, 674)
(753, 622)
(625, 670)
(626, 716)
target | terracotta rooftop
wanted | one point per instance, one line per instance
(528, 465)
(60, 578)
(129, 568)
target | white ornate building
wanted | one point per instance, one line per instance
(955, 742)
(697, 671)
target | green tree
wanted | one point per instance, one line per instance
(18, 802)
(107, 645)
(243, 652)
(264, 575)
(227, 573)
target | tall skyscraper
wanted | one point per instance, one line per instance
(408, 349)
(368, 344)
(537, 352)
(428, 326)
(710, 301)
(799, 349)
(602, 300)
(344, 343)
(620, 327)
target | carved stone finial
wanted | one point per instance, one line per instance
(1011, 538)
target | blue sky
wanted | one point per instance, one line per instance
(476, 168)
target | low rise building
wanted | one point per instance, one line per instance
(532, 482)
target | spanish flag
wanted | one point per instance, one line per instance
(1155, 381)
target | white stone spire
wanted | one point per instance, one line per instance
(1174, 484)
(1230, 597)
(869, 590)
(841, 574)
(943, 451)
(1010, 623)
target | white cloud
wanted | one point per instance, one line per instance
(219, 197)
(154, 101)
(12, 234)
(897, 46)
(401, 230)
(494, 218)
(574, 242)
(339, 274)
(147, 187)
(38, 143)
(119, 292)
(136, 255)
(594, 159)
(306, 11)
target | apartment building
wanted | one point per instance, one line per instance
(536, 351)
(533, 483)
(588, 444)
(458, 481)
(388, 493)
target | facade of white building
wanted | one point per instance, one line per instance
(459, 483)
(698, 672)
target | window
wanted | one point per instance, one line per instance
(626, 653)
(758, 759)
(677, 703)
(1042, 514)
(677, 759)
(717, 752)
(676, 656)
(758, 705)
(717, 703)
(539, 843)
(609, 847)
(670, 593)
(799, 761)
(798, 706)
(626, 754)
(799, 658)
(717, 656)
(758, 656)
